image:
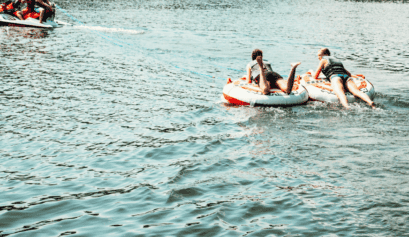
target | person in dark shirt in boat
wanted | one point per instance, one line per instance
(10, 7)
(340, 78)
(41, 7)
(29, 8)
(260, 72)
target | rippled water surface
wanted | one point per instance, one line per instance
(115, 125)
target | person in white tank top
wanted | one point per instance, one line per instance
(261, 73)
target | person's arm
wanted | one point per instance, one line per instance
(248, 74)
(49, 4)
(19, 15)
(44, 4)
(320, 66)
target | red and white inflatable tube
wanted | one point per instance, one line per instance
(320, 89)
(240, 92)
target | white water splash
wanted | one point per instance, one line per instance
(106, 29)
(252, 102)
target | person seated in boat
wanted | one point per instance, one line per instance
(7, 7)
(10, 7)
(42, 7)
(340, 78)
(28, 9)
(260, 72)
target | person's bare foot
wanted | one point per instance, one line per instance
(295, 64)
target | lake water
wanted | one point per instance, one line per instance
(116, 127)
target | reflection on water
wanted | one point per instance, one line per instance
(104, 134)
(26, 32)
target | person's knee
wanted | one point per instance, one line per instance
(266, 92)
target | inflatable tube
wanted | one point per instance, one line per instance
(320, 89)
(240, 92)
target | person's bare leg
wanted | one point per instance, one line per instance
(290, 80)
(41, 16)
(336, 83)
(19, 15)
(287, 86)
(264, 85)
(351, 86)
(53, 14)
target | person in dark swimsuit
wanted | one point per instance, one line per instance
(261, 73)
(334, 70)
(43, 6)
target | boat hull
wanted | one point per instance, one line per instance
(12, 21)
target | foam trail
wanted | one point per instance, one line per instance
(106, 29)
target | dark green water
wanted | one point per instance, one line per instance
(116, 127)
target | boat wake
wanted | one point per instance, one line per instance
(107, 29)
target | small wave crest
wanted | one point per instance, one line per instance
(107, 29)
(397, 100)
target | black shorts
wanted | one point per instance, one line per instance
(271, 77)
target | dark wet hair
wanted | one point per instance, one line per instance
(325, 51)
(255, 53)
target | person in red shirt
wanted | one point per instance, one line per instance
(27, 10)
